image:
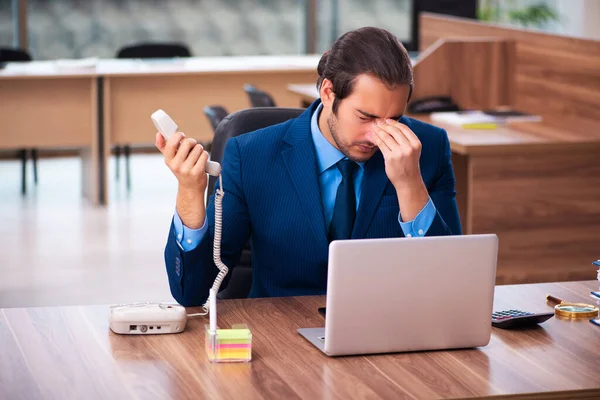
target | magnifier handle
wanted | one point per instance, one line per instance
(555, 300)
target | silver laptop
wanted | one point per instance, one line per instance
(398, 295)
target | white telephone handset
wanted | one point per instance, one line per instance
(167, 127)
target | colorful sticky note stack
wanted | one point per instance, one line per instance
(229, 345)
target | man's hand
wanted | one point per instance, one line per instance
(401, 151)
(187, 159)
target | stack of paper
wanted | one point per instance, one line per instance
(478, 119)
(229, 345)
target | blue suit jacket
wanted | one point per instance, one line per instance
(272, 196)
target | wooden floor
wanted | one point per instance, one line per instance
(55, 249)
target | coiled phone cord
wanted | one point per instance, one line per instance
(223, 270)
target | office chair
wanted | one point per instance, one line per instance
(215, 115)
(258, 98)
(154, 50)
(18, 55)
(236, 124)
(146, 50)
(8, 54)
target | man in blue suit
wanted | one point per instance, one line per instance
(350, 167)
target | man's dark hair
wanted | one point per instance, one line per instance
(368, 50)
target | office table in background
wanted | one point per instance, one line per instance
(536, 185)
(134, 89)
(46, 107)
(109, 102)
(69, 352)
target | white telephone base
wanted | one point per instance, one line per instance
(147, 318)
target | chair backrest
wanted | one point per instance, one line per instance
(244, 121)
(8, 54)
(238, 123)
(258, 98)
(154, 50)
(215, 115)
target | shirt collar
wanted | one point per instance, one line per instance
(327, 154)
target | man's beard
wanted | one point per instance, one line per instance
(341, 145)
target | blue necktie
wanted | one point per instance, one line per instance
(344, 210)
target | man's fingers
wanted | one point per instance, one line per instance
(387, 138)
(160, 142)
(398, 136)
(378, 141)
(172, 145)
(184, 149)
(408, 133)
(191, 159)
(200, 165)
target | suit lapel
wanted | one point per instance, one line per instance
(300, 160)
(373, 186)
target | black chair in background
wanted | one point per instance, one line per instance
(18, 55)
(215, 115)
(9, 54)
(236, 124)
(154, 50)
(146, 50)
(258, 98)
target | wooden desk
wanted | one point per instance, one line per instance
(183, 87)
(110, 101)
(44, 106)
(69, 352)
(134, 89)
(535, 186)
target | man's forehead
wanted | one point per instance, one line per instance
(367, 81)
(378, 104)
(374, 91)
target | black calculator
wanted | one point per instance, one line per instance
(518, 319)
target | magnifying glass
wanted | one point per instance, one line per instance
(572, 310)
